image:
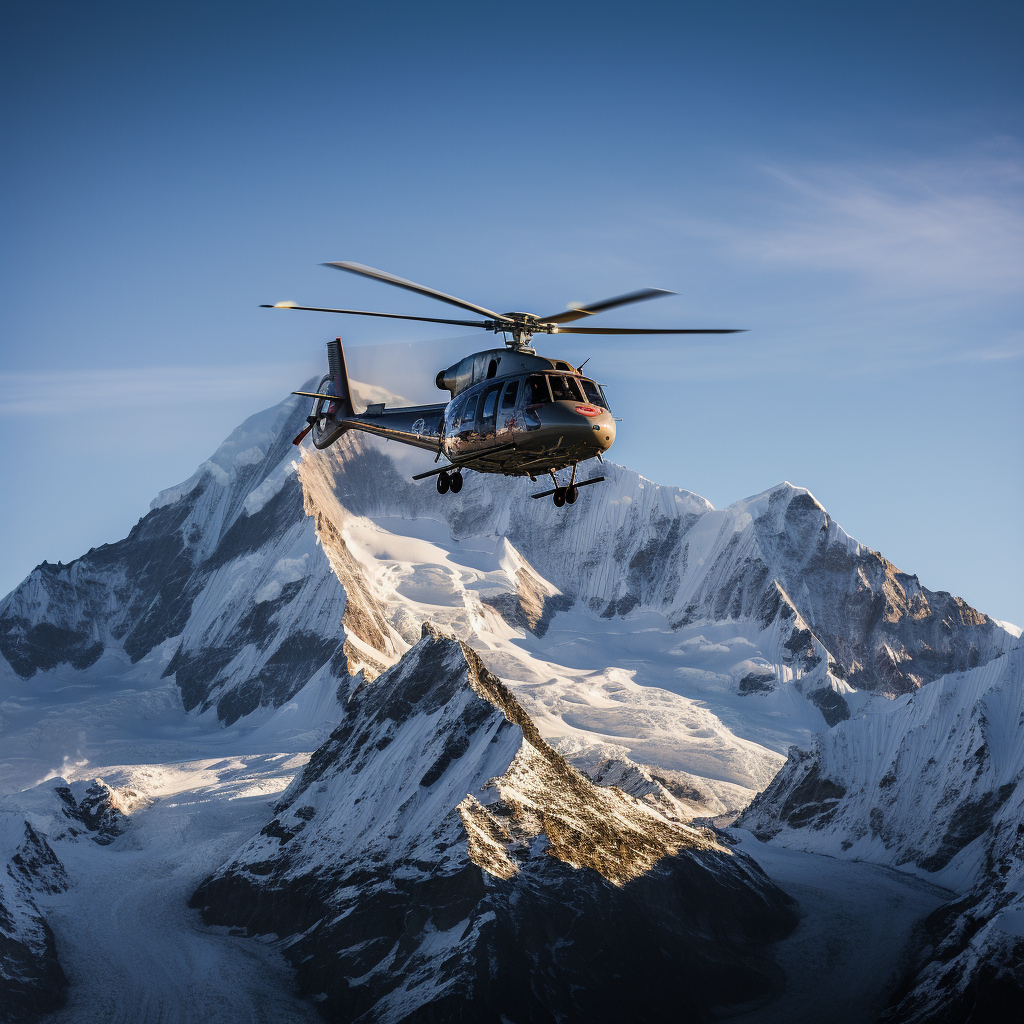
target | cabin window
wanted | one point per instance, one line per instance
(537, 390)
(490, 401)
(595, 396)
(469, 417)
(508, 401)
(565, 389)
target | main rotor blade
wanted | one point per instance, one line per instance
(651, 330)
(400, 282)
(363, 312)
(578, 312)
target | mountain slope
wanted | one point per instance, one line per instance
(226, 562)
(638, 626)
(438, 859)
(935, 784)
(631, 544)
(664, 648)
(32, 981)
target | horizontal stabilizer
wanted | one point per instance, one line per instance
(316, 394)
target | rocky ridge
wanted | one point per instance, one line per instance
(438, 858)
(936, 785)
(31, 977)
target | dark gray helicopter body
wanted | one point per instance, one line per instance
(511, 411)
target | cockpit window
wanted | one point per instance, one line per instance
(564, 389)
(595, 396)
(537, 390)
(456, 412)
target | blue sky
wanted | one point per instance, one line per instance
(844, 180)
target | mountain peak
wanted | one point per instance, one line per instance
(436, 830)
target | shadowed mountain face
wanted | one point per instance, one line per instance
(934, 785)
(32, 981)
(438, 860)
(226, 562)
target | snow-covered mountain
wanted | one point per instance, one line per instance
(212, 565)
(932, 784)
(739, 631)
(432, 862)
(664, 648)
(31, 978)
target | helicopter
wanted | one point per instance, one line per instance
(509, 410)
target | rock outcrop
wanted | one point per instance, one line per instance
(934, 785)
(32, 981)
(437, 859)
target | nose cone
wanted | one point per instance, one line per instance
(597, 425)
(603, 428)
(587, 428)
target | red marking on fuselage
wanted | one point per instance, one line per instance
(588, 410)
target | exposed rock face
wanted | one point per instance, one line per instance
(937, 784)
(969, 964)
(96, 809)
(533, 603)
(677, 795)
(31, 979)
(227, 561)
(437, 859)
(885, 631)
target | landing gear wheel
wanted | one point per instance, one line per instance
(456, 482)
(443, 483)
(559, 497)
(571, 494)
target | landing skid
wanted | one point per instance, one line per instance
(582, 483)
(463, 463)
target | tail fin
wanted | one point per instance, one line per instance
(339, 373)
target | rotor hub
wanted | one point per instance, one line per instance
(519, 329)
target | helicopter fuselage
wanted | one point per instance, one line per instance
(513, 413)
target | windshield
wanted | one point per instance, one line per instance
(595, 396)
(564, 389)
(537, 390)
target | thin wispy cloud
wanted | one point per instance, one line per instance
(81, 391)
(954, 227)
